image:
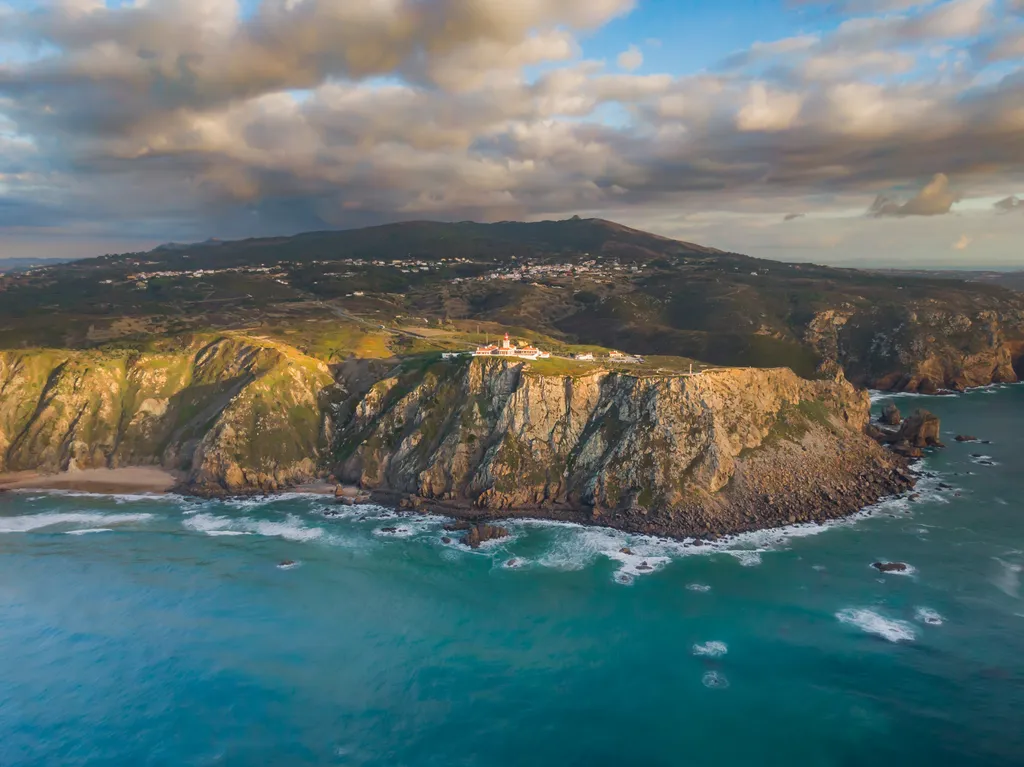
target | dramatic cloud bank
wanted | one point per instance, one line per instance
(171, 119)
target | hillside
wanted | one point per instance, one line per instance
(405, 289)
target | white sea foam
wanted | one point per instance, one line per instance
(288, 565)
(711, 649)
(871, 622)
(87, 530)
(877, 395)
(984, 460)
(291, 528)
(1007, 579)
(577, 546)
(225, 533)
(747, 558)
(929, 616)
(714, 680)
(398, 531)
(701, 587)
(28, 522)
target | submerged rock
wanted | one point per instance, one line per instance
(965, 438)
(890, 567)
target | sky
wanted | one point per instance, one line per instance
(855, 132)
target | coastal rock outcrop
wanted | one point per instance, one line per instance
(925, 345)
(890, 415)
(920, 430)
(480, 534)
(717, 452)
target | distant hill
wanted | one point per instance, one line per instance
(431, 240)
(406, 288)
(1012, 280)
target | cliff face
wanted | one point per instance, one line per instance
(237, 414)
(721, 451)
(922, 346)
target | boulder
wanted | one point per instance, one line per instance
(445, 539)
(965, 438)
(625, 550)
(480, 534)
(890, 415)
(920, 430)
(907, 450)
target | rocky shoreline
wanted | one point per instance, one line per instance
(837, 503)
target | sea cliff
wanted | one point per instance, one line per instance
(719, 452)
(725, 450)
(236, 414)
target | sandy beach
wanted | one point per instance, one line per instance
(131, 479)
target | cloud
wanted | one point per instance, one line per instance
(793, 216)
(768, 110)
(630, 59)
(1009, 204)
(935, 199)
(191, 116)
(962, 243)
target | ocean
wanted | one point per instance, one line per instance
(170, 631)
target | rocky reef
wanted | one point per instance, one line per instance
(715, 453)
(235, 414)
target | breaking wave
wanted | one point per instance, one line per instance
(711, 649)
(28, 522)
(871, 622)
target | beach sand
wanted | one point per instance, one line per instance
(130, 479)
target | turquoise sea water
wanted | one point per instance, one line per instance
(142, 631)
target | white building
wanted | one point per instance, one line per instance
(509, 349)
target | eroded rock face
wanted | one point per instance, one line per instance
(238, 414)
(924, 345)
(642, 452)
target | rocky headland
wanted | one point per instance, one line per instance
(704, 455)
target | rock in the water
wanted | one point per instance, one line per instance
(644, 566)
(512, 563)
(453, 527)
(889, 567)
(965, 438)
(890, 415)
(625, 550)
(389, 530)
(920, 429)
(483, 533)
(445, 539)
(904, 448)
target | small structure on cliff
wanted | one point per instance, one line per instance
(509, 349)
